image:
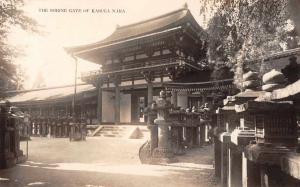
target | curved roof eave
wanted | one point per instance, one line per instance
(169, 20)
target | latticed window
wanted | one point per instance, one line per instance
(259, 126)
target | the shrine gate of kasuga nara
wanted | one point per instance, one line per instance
(158, 68)
(139, 59)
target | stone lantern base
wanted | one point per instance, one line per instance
(162, 156)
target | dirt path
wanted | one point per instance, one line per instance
(105, 162)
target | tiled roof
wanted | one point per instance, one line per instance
(277, 55)
(250, 94)
(160, 23)
(48, 94)
(289, 92)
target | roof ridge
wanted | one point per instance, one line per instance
(154, 18)
(46, 88)
(278, 54)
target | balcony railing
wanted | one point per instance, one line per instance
(139, 64)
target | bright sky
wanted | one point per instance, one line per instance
(44, 53)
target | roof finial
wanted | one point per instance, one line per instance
(185, 6)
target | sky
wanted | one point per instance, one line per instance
(43, 54)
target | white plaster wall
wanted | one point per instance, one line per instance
(182, 100)
(108, 111)
(125, 108)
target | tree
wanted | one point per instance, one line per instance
(12, 17)
(247, 29)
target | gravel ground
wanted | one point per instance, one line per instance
(108, 162)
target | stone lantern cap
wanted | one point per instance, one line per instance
(250, 80)
(259, 107)
(268, 154)
(242, 136)
(273, 80)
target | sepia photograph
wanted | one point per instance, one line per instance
(149, 93)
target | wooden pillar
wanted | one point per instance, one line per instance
(53, 111)
(203, 99)
(82, 108)
(150, 93)
(99, 102)
(149, 97)
(134, 108)
(117, 104)
(117, 100)
(30, 121)
(148, 75)
(67, 110)
(174, 98)
(40, 111)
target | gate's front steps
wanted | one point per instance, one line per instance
(122, 131)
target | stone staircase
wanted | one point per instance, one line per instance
(121, 131)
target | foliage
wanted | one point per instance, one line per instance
(12, 17)
(247, 29)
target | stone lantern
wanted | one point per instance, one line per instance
(275, 135)
(163, 153)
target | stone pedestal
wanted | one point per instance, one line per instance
(153, 137)
(238, 172)
(251, 174)
(195, 141)
(235, 170)
(225, 143)
(269, 157)
(177, 140)
(163, 153)
(272, 176)
(189, 137)
(10, 153)
(290, 164)
(202, 134)
(217, 151)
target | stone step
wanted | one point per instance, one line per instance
(122, 131)
(111, 135)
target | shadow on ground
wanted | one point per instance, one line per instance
(127, 175)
